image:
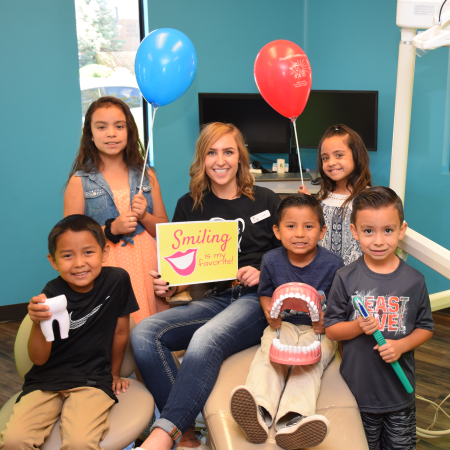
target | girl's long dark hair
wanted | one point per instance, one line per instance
(360, 178)
(88, 157)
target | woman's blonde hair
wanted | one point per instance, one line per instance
(200, 183)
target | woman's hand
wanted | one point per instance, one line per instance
(302, 190)
(126, 223)
(139, 205)
(248, 276)
(37, 310)
(160, 287)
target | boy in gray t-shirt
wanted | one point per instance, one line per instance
(397, 300)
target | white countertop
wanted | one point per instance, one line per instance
(285, 183)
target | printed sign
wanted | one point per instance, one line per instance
(197, 252)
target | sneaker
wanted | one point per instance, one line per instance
(301, 432)
(248, 415)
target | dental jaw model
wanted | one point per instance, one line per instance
(299, 297)
(58, 308)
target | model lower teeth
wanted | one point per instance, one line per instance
(296, 349)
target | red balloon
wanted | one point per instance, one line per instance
(283, 77)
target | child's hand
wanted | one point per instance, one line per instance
(319, 327)
(248, 276)
(126, 223)
(139, 205)
(160, 287)
(302, 190)
(390, 351)
(369, 325)
(37, 310)
(273, 323)
(119, 384)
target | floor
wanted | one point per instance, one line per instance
(432, 369)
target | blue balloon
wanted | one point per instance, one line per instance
(165, 66)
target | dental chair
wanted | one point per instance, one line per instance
(335, 402)
(128, 418)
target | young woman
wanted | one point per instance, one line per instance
(229, 317)
(104, 184)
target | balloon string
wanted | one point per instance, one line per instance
(298, 151)
(148, 145)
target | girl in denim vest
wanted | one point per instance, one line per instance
(104, 184)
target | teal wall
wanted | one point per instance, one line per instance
(40, 106)
(227, 37)
(40, 122)
(353, 47)
(350, 46)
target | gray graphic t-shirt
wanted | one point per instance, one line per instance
(400, 302)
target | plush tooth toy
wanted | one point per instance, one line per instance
(58, 308)
(299, 297)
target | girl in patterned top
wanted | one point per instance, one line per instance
(343, 163)
(105, 184)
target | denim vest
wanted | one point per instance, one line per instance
(99, 199)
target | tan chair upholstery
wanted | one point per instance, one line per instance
(335, 401)
(128, 418)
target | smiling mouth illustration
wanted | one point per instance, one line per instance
(183, 263)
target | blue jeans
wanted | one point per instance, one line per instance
(211, 329)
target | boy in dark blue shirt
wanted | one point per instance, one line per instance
(268, 396)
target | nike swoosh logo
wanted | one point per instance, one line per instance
(80, 322)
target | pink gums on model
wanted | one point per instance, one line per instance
(299, 297)
(184, 263)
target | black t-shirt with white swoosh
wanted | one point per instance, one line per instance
(84, 358)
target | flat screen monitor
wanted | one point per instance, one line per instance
(356, 109)
(264, 130)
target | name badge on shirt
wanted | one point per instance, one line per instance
(261, 216)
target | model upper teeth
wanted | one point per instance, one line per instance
(295, 349)
(278, 303)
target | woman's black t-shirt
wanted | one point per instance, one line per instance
(255, 219)
(84, 358)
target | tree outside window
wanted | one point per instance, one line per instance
(108, 38)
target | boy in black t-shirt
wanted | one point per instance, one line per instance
(397, 300)
(75, 378)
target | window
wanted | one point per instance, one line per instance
(109, 34)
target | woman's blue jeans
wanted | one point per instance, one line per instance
(211, 329)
